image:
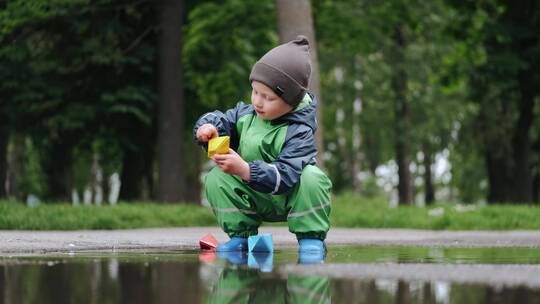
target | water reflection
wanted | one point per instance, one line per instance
(208, 278)
(256, 283)
(244, 285)
(101, 281)
(262, 261)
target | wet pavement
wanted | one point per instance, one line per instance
(361, 266)
(32, 242)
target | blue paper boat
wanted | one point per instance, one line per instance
(260, 243)
(261, 260)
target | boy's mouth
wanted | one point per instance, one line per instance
(259, 112)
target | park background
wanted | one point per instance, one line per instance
(428, 110)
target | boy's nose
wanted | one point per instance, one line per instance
(257, 101)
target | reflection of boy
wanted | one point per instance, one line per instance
(272, 174)
(238, 285)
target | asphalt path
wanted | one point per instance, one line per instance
(17, 242)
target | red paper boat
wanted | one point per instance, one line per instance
(208, 242)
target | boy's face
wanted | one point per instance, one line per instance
(267, 104)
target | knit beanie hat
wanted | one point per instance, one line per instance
(286, 70)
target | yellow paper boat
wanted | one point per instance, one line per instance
(219, 145)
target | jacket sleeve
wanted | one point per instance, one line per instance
(225, 123)
(282, 174)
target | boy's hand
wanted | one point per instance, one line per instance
(206, 132)
(232, 163)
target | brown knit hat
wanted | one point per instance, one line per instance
(286, 70)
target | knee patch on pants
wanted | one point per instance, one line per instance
(309, 215)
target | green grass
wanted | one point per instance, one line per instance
(351, 211)
(347, 211)
(121, 216)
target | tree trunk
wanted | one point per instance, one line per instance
(402, 118)
(372, 154)
(194, 170)
(356, 156)
(295, 18)
(58, 169)
(522, 175)
(508, 157)
(536, 187)
(510, 174)
(105, 186)
(132, 175)
(149, 180)
(428, 178)
(498, 177)
(171, 179)
(342, 149)
(95, 180)
(4, 141)
(16, 167)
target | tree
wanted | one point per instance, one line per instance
(295, 18)
(80, 74)
(171, 181)
(344, 45)
(218, 77)
(391, 58)
(4, 140)
(502, 85)
(402, 123)
(510, 170)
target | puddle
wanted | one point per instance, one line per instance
(400, 254)
(373, 274)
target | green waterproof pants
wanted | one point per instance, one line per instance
(240, 210)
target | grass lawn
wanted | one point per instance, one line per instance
(347, 211)
(352, 211)
(121, 216)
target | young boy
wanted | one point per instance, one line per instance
(269, 173)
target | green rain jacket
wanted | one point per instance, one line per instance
(287, 144)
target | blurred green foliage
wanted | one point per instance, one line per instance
(223, 41)
(80, 79)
